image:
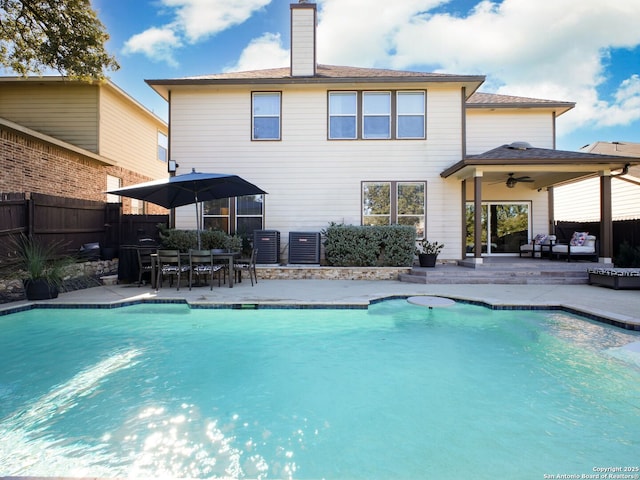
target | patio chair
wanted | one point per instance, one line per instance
(248, 265)
(201, 263)
(169, 263)
(144, 262)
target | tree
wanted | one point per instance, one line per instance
(63, 35)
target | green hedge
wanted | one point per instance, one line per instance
(369, 246)
(184, 240)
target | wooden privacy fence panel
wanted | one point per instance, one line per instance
(68, 221)
(13, 223)
(623, 231)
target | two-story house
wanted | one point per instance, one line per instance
(75, 139)
(371, 146)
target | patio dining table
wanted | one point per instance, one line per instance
(229, 256)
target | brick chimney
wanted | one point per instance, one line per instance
(303, 39)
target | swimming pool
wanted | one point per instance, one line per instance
(395, 391)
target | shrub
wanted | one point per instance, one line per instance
(628, 256)
(174, 239)
(184, 240)
(369, 246)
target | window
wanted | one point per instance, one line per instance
(266, 116)
(376, 115)
(137, 207)
(113, 183)
(402, 203)
(376, 203)
(343, 107)
(240, 215)
(249, 214)
(163, 147)
(410, 112)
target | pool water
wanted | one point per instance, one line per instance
(395, 391)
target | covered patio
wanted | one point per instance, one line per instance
(497, 173)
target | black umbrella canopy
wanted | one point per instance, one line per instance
(189, 188)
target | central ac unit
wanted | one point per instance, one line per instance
(304, 247)
(268, 244)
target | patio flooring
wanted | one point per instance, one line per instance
(613, 306)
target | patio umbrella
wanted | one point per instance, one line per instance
(188, 188)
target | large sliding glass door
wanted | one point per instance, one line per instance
(505, 226)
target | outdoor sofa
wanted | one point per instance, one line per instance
(581, 245)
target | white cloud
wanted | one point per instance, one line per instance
(626, 108)
(548, 49)
(156, 43)
(194, 21)
(263, 52)
(200, 19)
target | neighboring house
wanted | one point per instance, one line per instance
(75, 139)
(371, 146)
(580, 201)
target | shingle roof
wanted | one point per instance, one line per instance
(508, 152)
(484, 100)
(328, 71)
(507, 155)
(345, 74)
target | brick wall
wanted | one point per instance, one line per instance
(32, 165)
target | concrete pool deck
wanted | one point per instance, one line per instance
(620, 307)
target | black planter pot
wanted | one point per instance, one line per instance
(40, 290)
(427, 259)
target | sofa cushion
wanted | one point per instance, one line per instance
(578, 239)
(574, 249)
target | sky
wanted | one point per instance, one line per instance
(582, 51)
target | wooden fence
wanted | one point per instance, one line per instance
(70, 223)
(623, 231)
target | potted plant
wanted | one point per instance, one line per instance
(42, 268)
(428, 252)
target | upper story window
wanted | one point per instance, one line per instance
(343, 110)
(163, 147)
(265, 118)
(410, 113)
(377, 115)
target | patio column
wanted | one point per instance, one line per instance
(606, 219)
(477, 217)
(551, 212)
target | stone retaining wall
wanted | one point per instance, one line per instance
(291, 272)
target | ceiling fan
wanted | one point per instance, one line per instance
(511, 181)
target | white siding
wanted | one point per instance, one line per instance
(580, 201)
(129, 136)
(312, 181)
(487, 130)
(67, 111)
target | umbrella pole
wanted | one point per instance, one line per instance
(198, 220)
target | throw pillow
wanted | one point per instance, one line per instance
(578, 239)
(540, 239)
